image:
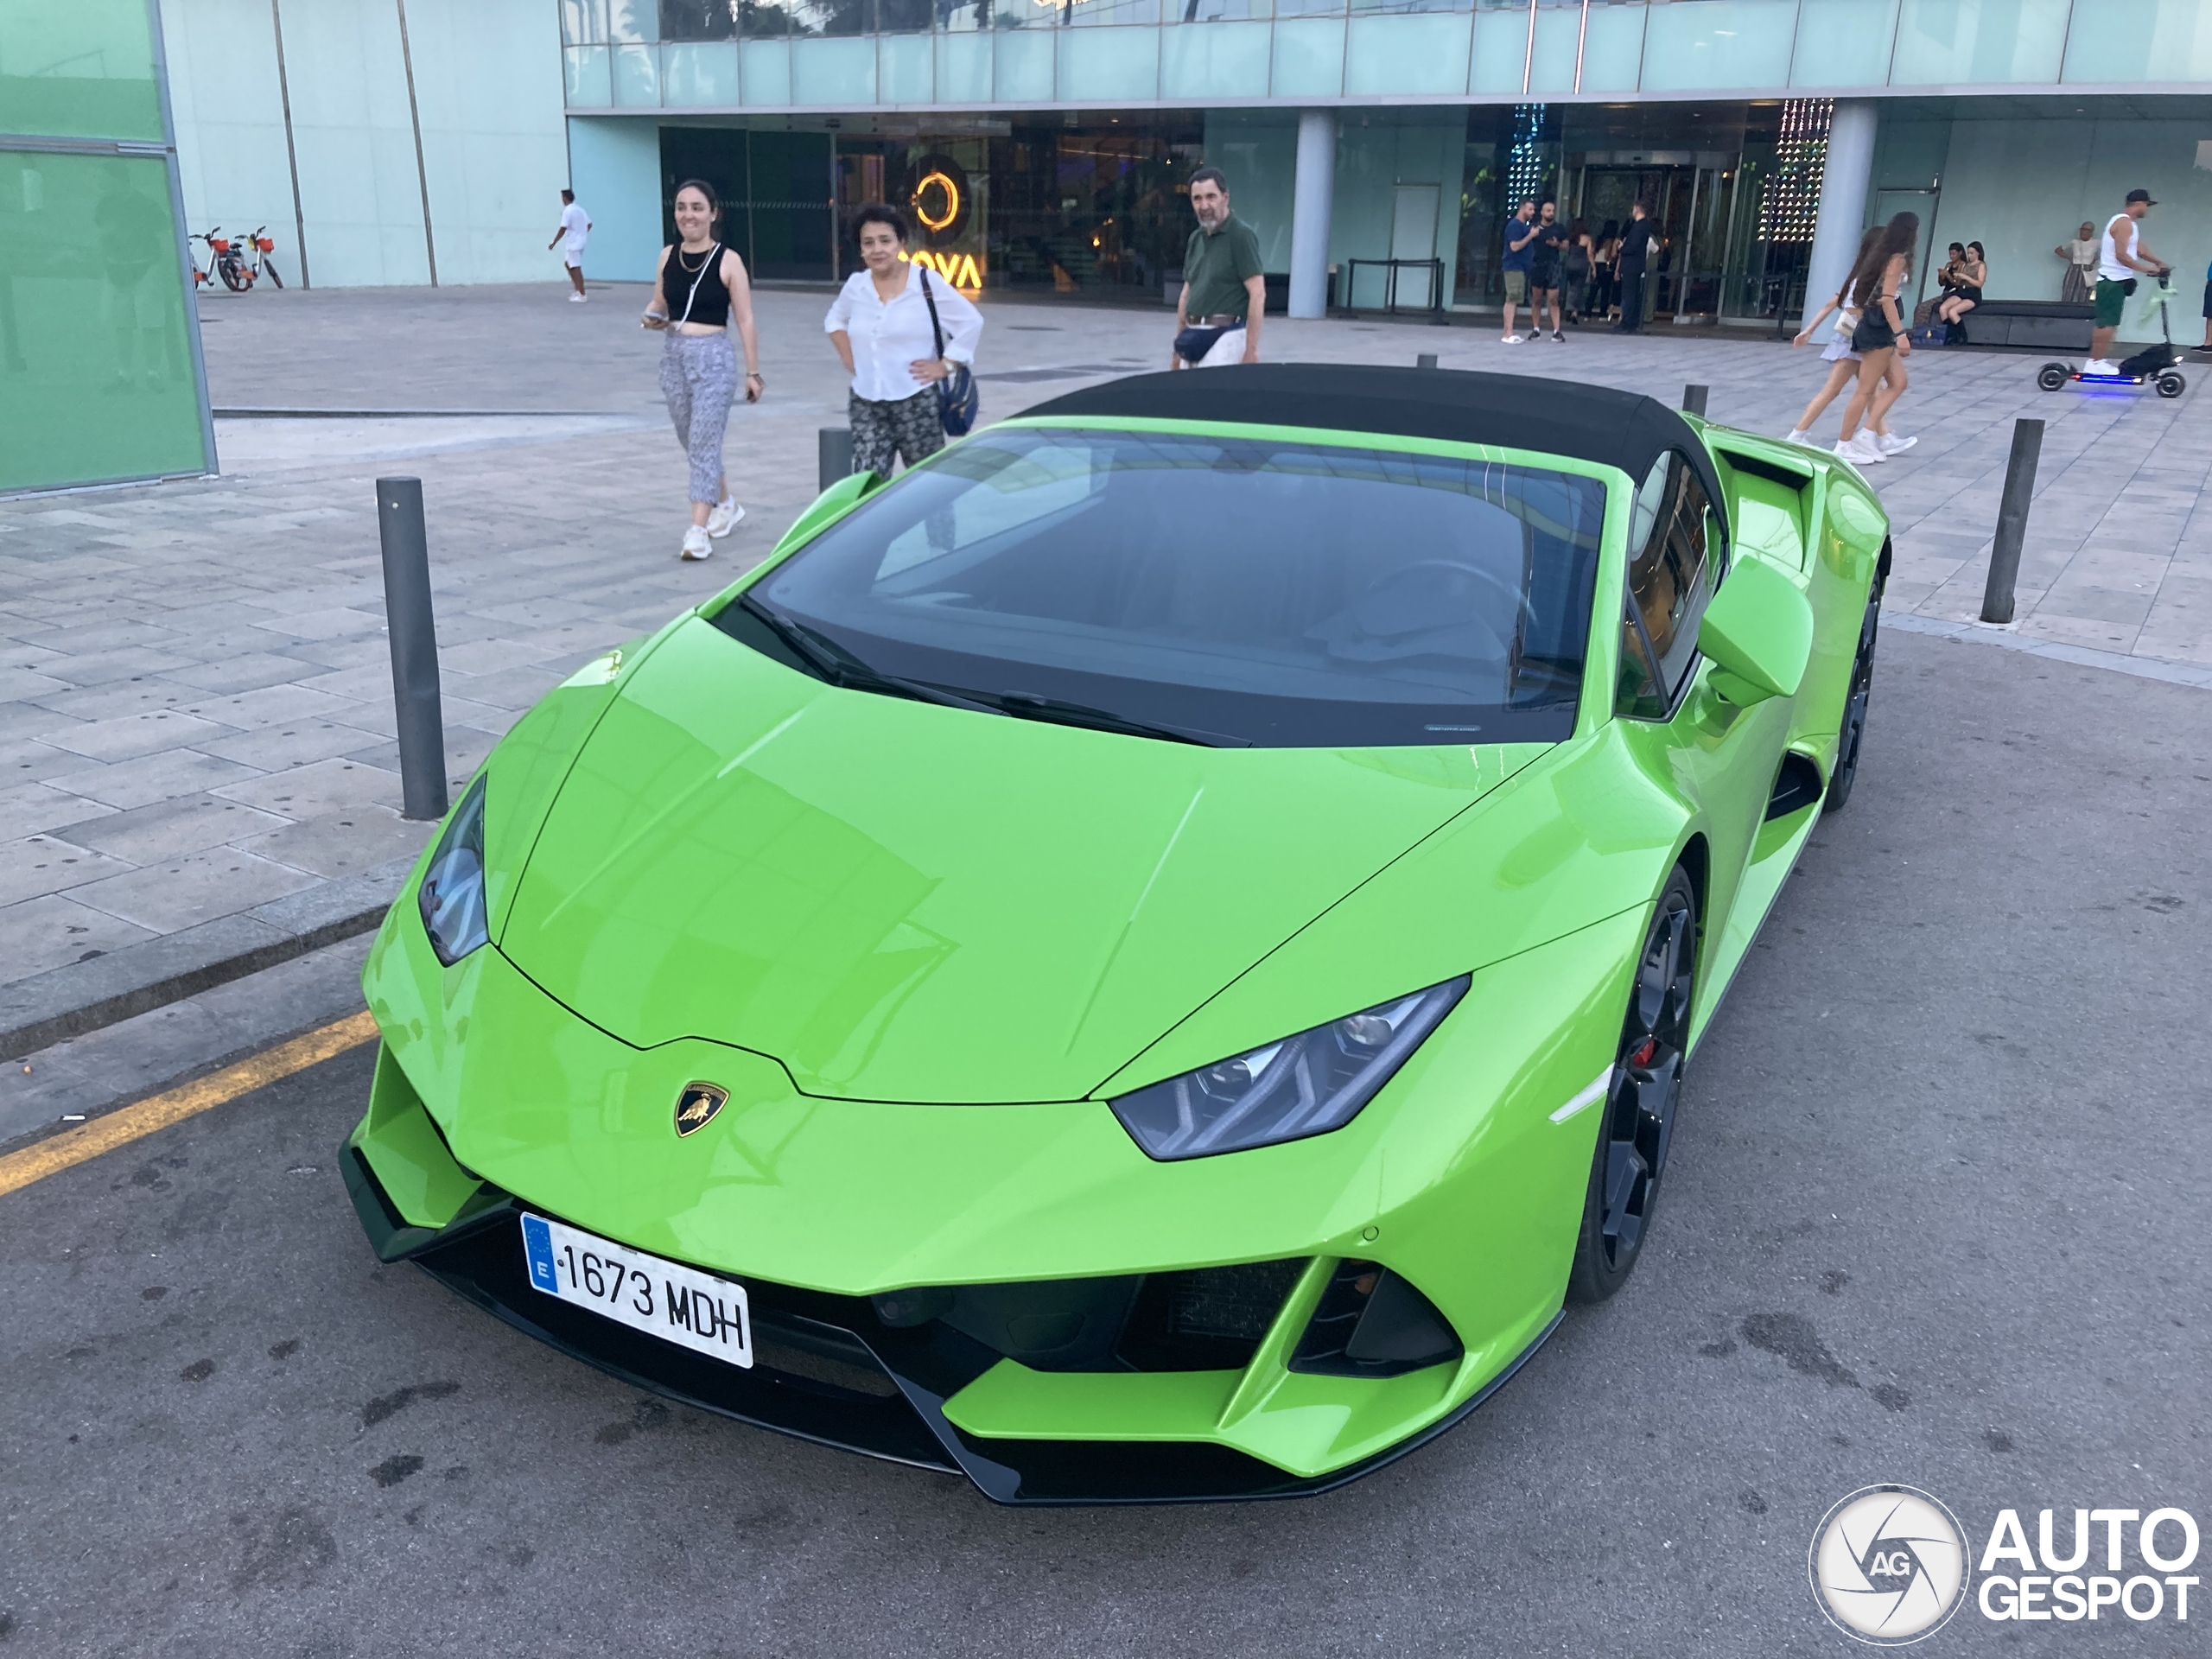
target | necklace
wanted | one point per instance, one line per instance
(688, 268)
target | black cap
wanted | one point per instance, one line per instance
(2143, 196)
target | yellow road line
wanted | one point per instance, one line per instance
(120, 1128)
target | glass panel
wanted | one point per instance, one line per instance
(77, 69)
(698, 19)
(1558, 39)
(1309, 57)
(1697, 44)
(906, 16)
(699, 76)
(1613, 49)
(830, 17)
(1112, 11)
(588, 72)
(1502, 49)
(963, 17)
(964, 68)
(762, 20)
(583, 23)
(838, 71)
(1359, 6)
(1668, 578)
(1088, 567)
(2143, 40)
(1414, 54)
(1228, 60)
(1215, 11)
(764, 73)
(1110, 65)
(633, 20)
(1844, 43)
(1024, 65)
(636, 76)
(93, 348)
(905, 69)
(1309, 7)
(1957, 42)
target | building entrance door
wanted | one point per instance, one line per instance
(1690, 204)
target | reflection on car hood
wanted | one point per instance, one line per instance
(906, 902)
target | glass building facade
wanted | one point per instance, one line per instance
(100, 377)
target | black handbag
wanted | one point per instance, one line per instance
(957, 399)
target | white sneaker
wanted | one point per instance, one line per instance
(1510, 340)
(2098, 366)
(724, 519)
(1859, 452)
(1892, 444)
(1799, 435)
(696, 545)
(576, 299)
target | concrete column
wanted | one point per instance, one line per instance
(1315, 193)
(1844, 180)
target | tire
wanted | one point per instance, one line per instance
(233, 278)
(1639, 1109)
(1853, 730)
(270, 265)
(2172, 385)
(2052, 377)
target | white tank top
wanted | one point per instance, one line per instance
(2109, 264)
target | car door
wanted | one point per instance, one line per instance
(1718, 756)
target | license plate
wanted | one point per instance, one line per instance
(667, 1299)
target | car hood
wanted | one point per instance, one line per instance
(905, 902)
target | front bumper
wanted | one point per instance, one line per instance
(827, 1369)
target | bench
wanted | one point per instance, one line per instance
(2043, 324)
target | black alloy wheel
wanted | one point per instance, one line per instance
(1639, 1104)
(1854, 706)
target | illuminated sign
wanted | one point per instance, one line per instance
(961, 270)
(937, 201)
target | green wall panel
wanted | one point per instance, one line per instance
(2143, 40)
(1718, 45)
(77, 69)
(1843, 43)
(94, 361)
(1214, 60)
(1980, 43)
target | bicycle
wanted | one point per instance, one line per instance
(230, 259)
(260, 263)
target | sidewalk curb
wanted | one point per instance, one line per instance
(85, 996)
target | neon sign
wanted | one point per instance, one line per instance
(949, 193)
(961, 270)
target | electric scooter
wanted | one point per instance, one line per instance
(2154, 366)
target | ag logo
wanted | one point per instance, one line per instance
(697, 1104)
(1888, 1565)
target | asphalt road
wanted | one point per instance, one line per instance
(1937, 1217)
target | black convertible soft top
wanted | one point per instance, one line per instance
(1620, 428)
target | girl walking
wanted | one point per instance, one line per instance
(1843, 363)
(1879, 337)
(700, 291)
(898, 331)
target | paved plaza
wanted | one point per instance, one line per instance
(197, 756)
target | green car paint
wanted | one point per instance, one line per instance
(922, 947)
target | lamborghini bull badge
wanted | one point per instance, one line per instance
(697, 1104)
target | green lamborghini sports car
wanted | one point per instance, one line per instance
(1148, 958)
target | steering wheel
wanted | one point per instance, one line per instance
(1513, 596)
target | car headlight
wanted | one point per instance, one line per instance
(451, 897)
(1307, 1084)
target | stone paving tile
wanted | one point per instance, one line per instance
(33, 809)
(248, 672)
(316, 790)
(195, 887)
(130, 736)
(274, 749)
(54, 930)
(24, 761)
(27, 681)
(341, 843)
(150, 777)
(167, 828)
(43, 864)
(272, 705)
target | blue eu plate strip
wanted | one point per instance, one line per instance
(538, 1245)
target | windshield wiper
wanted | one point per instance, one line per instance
(826, 660)
(1027, 705)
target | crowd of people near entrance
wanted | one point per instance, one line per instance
(907, 340)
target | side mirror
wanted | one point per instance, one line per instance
(831, 504)
(1757, 630)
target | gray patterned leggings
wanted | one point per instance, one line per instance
(912, 428)
(698, 376)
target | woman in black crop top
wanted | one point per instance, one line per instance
(699, 289)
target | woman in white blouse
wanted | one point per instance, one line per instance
(879, 323)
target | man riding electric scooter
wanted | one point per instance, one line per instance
(2123, 253)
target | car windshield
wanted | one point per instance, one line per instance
(1231, 590)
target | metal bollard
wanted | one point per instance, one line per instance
(414, 647)
(2012, 522)
(834, 444)
(1426, 360)
(1693, 400)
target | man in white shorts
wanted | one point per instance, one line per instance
(575, 231)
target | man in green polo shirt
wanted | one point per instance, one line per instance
(1218, 319)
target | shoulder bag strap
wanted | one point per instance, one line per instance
(936, 329)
